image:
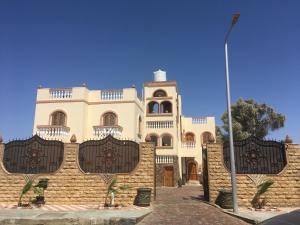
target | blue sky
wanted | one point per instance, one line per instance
(114, 44)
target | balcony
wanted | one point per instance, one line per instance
(159, 124)
(103, 131)
(199, 120)
(49, 131)
(111, 95)
(188, 144)
(61, 93)
(164, 159)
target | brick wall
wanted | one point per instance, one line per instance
(285, 192)
(69, 185)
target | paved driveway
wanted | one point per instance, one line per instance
(185, 206)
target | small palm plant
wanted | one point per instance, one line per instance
(257, 202)
(24, 190)
(112, 190)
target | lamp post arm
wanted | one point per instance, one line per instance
(228, 33)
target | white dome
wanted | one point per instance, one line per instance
(160, 75)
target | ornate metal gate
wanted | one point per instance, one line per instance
(108, 155)
(33, 156)
(255, 156)
(205, 173)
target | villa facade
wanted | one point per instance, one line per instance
(156, 116)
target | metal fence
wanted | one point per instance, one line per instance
(33, 156)
(255, 156)
(108, 155)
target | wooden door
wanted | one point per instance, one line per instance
(193, 175)
(168, 176)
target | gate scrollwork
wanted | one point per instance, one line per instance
(33, 156)
(108, 156)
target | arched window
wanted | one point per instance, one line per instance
(166, 140)
(207, 137)
(166, 107)
(154, 138)
(140, 126)
(189, 137)
(160, 93)
(109, 119)
(58, 118)
(153, 107)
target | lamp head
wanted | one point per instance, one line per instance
(235, 18)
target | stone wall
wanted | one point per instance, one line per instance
(285, 192)
(160, 172)
(69, 185)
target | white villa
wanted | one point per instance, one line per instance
(155, 116)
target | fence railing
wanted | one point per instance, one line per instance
(111, 95)
(159, 124)
(164, 159)
(199, 120)
(256, 156)
(188, 144)
(33, 156)
(60, 93)
(108, 155)
(101, 132)
(52, 131)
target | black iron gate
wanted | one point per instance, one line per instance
(255, 156)
(205, 173)
(33, 156)
(108, 155)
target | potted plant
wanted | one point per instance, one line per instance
(112, 190)
(224, 199)
(143, 197)
(39, 199)
(257, 202)
(43, 183)
(24, 190)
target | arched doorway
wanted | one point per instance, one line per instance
(192, 171)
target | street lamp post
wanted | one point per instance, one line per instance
(232, 161)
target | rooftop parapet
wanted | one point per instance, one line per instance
(84, 94)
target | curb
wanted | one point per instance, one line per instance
(246, 219)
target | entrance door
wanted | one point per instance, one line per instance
(168, 176)
(193, 171)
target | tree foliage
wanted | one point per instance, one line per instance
(251, 118)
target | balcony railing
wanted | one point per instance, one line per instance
(103, 131)
(159, 124)
(61, 93)
(111, 95)
(52, 131)
(188, 144)
(199, 120)
(164, 159)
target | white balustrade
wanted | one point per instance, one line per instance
(199, 120)
(102, 132)
(111, 95)
(61, 93)
(159, 124)
(52, 131)
(164, 159)
(188, 144)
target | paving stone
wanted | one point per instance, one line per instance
(186, 206)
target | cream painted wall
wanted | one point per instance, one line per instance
(127, 118)
(75, 112)
(171, 97)
(84, 108)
